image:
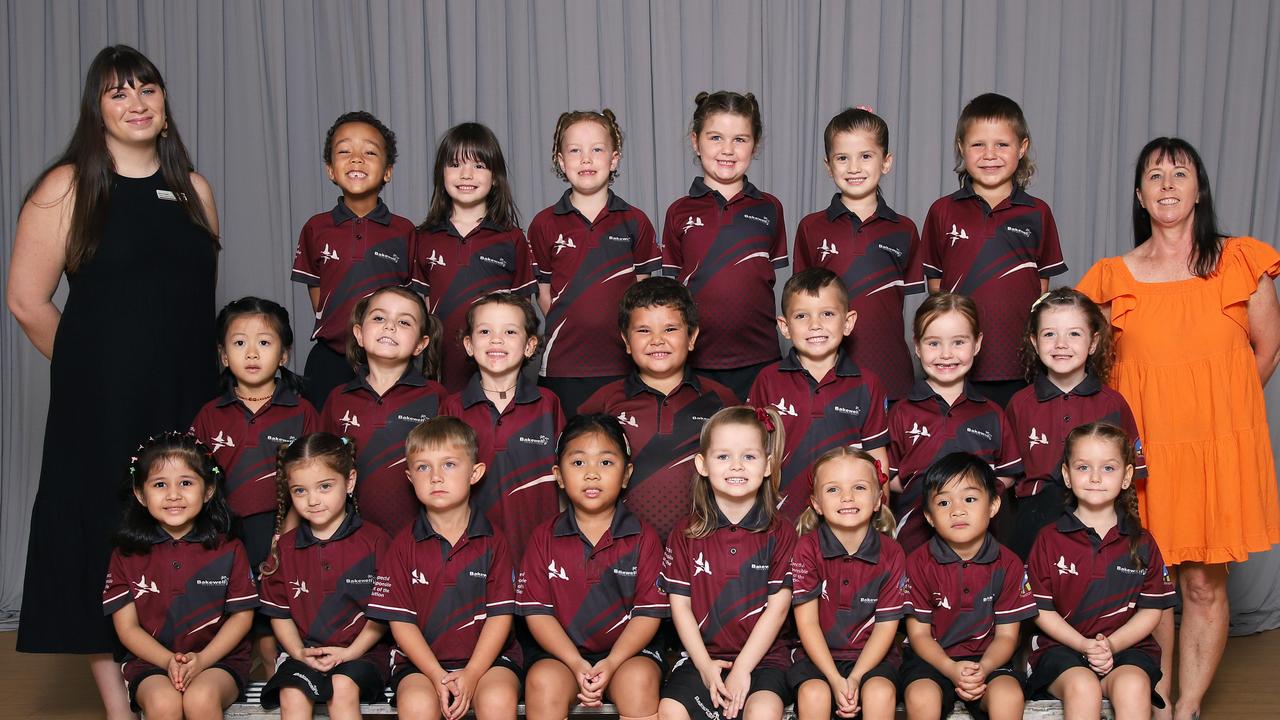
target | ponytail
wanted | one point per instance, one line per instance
(769, 423)
(339, 453)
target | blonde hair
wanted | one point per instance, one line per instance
(883, 521)
(704, 520)
(605, 119)
(441, 432)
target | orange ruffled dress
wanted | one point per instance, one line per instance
(1185, 365)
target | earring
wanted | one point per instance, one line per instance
(164, 132)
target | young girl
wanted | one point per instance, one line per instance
(317, 583)
(727, 570)
(874, 250)
(944, 413)
(389, 396)
(725, 240)
(847, 635)
(589, 248)
(514, 419)
(178, 590)
(1101, 585)
(990, 240)
(470, 243)
(1067, 353)
(596, 614)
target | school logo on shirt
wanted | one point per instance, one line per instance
(141, 587)
(1026, 583)
(299, 588)
(417, 578)
(762, 220)
(940, 600)
(540, 440)
(626, 419)
(822, 591)
(783, 408)
(827, 248)
(692, 222)
(390, 258)
(896, 252)
(436, 259)
(1024, 232)
(349, 420)
(1064, 568)
(222, 440)
(855, 411)
(957, 234)
(1040, 439)
(556, 573)
(329, 254)
(563, 242)
(619, 238)
(500, 262)
(701, 565)
(918, 431)
(904, 586)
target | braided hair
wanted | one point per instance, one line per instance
(338, 453)
(1126, 503)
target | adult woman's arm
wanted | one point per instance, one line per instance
(205, 192)
(40, 256)
(1264, 327)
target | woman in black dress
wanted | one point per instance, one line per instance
(122, 214)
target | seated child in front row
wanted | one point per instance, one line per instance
(1095, 628)
(588, 586)
(179, 592)
(442, 573)
(967, 594)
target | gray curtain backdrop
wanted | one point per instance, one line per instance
(255, 83)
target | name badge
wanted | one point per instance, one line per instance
(170, 196)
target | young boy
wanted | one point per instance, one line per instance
(352, 250)
(824, 399)
(446, 588)
(662, 404)
(965, 597)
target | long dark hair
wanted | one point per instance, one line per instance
(475, 141)
(1206, 238)
(138, 529)
(1126, 503)
(1099, 361)
(276, 316)
(432, 358)
(93, 165)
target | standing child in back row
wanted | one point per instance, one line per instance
(990, 240)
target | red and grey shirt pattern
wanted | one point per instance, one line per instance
(854, 591)
(589, 265)
(454, 271)
(964, 600)
(244, 443)
(518, 448)
(378, 425)
(1092, 582)
(879, 261)
(729, 576)
(182, 592)
(1042, 415)
(350, 258)
(727, 251)
(663, 431)
(447, 591)
(845, 408)
(592, 590)
(997, 256)
(923, 428)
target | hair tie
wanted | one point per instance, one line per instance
(765, 419)
(345, 440)
(866, 108)
(1039, 300)
(880, 474)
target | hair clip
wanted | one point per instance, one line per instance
(1039, 300)
(345, 440)
(880, 474)
(765, 419)
(866, 108)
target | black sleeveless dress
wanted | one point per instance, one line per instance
(134, 355)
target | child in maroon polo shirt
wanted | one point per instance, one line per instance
(1101, 585)
(588, 586)
(662, 404)
(352, 250)
(446, 587)
(178, 591)
(826, 401)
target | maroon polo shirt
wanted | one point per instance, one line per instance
(589, 265)
(244, 443)
(454, 271)
(845, 408)
(378, 427)
(728, 577)
(518, 448)
(854, 592)
(727, 251)
(182, 593)
(997, 256)
(963, 600)
(447, 591)
(592, 590)
(879, 261)
(349, 258)
(663, 431)
(1041, 416)
(923, 428)
(1091, 581)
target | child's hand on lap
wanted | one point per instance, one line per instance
(595, 681)
(738, 685)
(711, 677)
(845, 692)
(461, 685)
(970, 680)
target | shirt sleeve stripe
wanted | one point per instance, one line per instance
(274, 605)
(1011, 463)
(391, 608)
(113, 598)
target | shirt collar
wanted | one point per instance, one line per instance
(341, 213)
(283, 395)
(837, 209)
(1046, 390)
(624, 523)
(412, 377)
(473, 392)
(159, 536)
(868, 551)
(845, 366)
(477, 526)
(446, 226)
(352, 522)
(755, 520)
(1070, 523)
(944, 555)
(922, 390)
(633, 385)
(564, 205)
(699, 188)
(1017, 197)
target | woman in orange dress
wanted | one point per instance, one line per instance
(1197, 329)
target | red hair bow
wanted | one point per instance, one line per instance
(880, 474)
(765, 419)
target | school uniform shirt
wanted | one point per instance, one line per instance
(182, 592)
(349, 258)
(923, 428)
(592, 590)
(854, 591)
(589, 264)
(1042, 415)
(1092, 582)
(518, 447)
(447, 591)
(244, 443)
(879, 261)
(729, 576)
(963, 600)
(726, 251)
(454, 271)
(378, 426)
(997, 256)
(663, 431)
(844, 408)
